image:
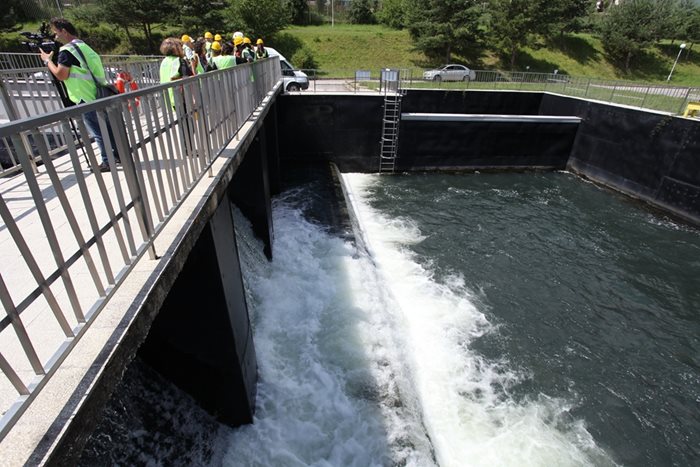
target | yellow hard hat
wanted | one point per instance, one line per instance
(218, 38)
(186, 38)
(215, 45)
(237, 41)
(208, 35)
(259, 41)
(246, 40)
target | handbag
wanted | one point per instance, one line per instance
(103, 90)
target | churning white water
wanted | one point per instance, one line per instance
(364, 358)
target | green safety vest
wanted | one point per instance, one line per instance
(260, 56)
(224, 61)
(169, 67)
(79, 84)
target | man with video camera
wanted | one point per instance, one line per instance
(80, 69)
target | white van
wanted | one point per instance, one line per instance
(294, 80)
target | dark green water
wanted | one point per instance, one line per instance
(594, 296)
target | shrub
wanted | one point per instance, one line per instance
(303, 58)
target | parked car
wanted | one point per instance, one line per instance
(294, 80)
(450, 73)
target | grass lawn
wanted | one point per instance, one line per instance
(344, 48)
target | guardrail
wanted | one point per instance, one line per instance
(664, 98)
(20, 61)
(58, 221)
(30, 92)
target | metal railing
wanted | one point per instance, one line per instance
(21, 61)
(70, 233)
(664, 98)
(30, 92)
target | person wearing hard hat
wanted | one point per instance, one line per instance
(188, 49)
(221, 57)
(260, 51)
(248, 53)
(200, 50)
(208, 39)
(238, 51)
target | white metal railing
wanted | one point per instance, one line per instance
(70, 234)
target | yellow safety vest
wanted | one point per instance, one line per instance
(224, 61)
(80, 85)
(169, 67)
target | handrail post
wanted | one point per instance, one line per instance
(12, 115)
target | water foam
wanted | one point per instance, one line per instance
(465, 402)
(330, 388)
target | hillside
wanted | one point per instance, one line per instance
(342, 49)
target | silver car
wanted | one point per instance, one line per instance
(450, 73)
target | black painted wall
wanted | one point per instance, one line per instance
(648, 155)
(347, 130)
(484, 145)
(472, 102)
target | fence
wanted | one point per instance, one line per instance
(69, 234)
(664, 98)
(21, 61)
(31, 92)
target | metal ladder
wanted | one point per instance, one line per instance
(390, 123)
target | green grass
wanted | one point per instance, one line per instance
(342, 49)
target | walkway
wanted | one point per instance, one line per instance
(79, 250)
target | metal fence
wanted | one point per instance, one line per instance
(21, 61)
(70, 233)
(30, 92)
(664, 98)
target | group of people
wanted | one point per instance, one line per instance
(80, 68)
(185, 57)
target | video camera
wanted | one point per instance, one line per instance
(42, 40)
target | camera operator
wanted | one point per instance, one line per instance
(74, 71)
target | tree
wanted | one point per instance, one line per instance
(10, 11)
(510, 24)
(628, 29)
(261, 18)
(362, 12)
(298, 11)
(557, 17)
(391, 13)
(144, 14)
(440, 27)
(197, 17)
